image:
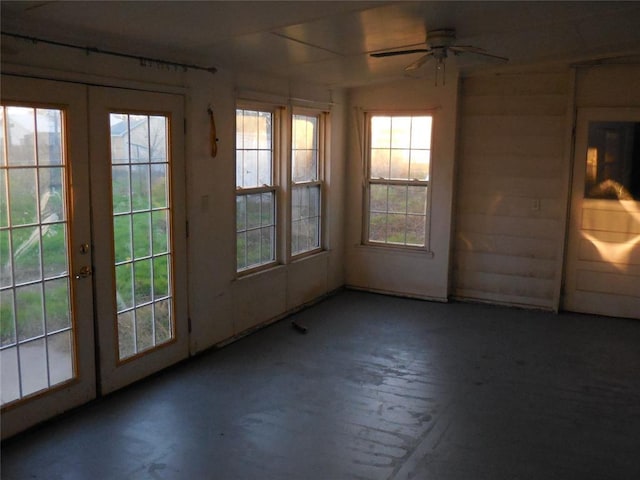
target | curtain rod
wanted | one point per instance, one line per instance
(144, 61)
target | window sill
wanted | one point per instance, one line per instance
(309, 255)
(251, 273)
(396, 250)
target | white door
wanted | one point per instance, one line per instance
(139, 225)
(602, 272)
(46, 299)
(92, 243)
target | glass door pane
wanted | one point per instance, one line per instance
(141, 219)
(36, 331)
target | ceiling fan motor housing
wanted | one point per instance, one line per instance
(441, 38)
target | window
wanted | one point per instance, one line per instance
(399, 157)
(140, 166)
(255, 189)
(306, 185)
(613, 161)
(37, 344)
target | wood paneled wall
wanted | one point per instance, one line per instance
(511, 188)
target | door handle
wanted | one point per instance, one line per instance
(84, 272)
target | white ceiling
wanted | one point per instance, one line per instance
(328, 42)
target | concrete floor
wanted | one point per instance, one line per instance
(379, 388)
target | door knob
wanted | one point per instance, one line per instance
(84, 272)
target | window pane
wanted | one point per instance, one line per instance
(397, 199)
(613, 161)
(4, 205)
(26, 254)
(120, 190)
(417, 200)
(396, 228)
(56, 301)
(161, 277)
(399, 165)
(142, 281)
(159, 186)
(416, 225)
(60, 360)
(29, 311)
(158, 139)
(9, 381)
(33, 363)
(401, 132)
(139, 138)
(267, 209)
(421, 132)
(304, 148)
(254, 205)
(51, 195)
(145, 335)
(380, 163)
(23, 200)
(160, 231)
(49, 133)
(54, 250)
(264, 168)
(305, 218)
(141, 235)
(378, 227)
(21, 136)
(398, 208)
(126, 334)
(140, 195)
(162, 317)
(378, 198)
(419, 165)
(381, 132)
(241, 212)
(7, 318)
(250, 172)
(119, 138)
(124, 286)
(6, 270)
(123, 248)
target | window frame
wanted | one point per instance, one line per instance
(274, 188)
(368, 181)
(319, 182)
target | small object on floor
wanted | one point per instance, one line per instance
(299, 327)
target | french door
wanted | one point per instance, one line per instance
(92, 243)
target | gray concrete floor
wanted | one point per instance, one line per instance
(379, 388)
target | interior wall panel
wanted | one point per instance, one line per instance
(510, 204)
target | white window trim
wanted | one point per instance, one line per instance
(276, 186)
(367, 182)
(320, 181)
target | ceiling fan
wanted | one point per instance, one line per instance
(438, 45)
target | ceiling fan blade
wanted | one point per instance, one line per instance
(399, 52)
(418, 63)
(457, 49)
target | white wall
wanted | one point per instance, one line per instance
(511, 192)
(386, 269)
(220, 305)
